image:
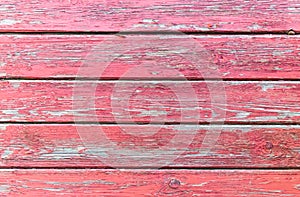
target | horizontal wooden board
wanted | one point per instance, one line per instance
(149, 183)
(235, 146)
(166, 57)
(150, 101)
(188, 15)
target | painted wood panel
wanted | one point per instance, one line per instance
(188, 15)
(66, 146)
(150, 101)
(166, 57)
(46, 44)
(150, 183)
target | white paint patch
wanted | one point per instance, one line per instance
(35, 22)
(9, 22)
(255, 27)
(152, 113)
(242, 115)
(293, 8)
(60, 113)
(288, 114)
(62, 153)
(277, 68)
(195, 27)
(34, 112)
(2, 74)
(4, 188)
(15, 85)
(11, 112)
(3, 127)
(154, 73)
(186, 127)
(280, 53)
(7, 7)
(6, 154)
(277, 53)
(148, 20)
(53, 189)
(19, 36)
(200, 185)
(266, 87)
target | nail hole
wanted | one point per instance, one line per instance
(174, 183)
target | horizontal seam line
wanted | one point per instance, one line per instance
(146, 80)
(152, 123)
(142, 79)
(149, 168)
(283, 32)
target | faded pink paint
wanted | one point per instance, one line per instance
(179, 183)
(235, 57)
(142, 101)
(237, 146)
(104, 15)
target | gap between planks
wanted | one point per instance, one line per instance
(286, 32)
(175, 168)
(87, 79)
(242, 81)
(210, 124)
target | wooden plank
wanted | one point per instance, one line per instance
(150, 183)
(189, 15)
(150, 101)
(235, 146)
(167, 57)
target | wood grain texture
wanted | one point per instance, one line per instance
(149, 183)
(38, 116)
(237, 146)
(150, 101)
(188, 15)
(228, 57)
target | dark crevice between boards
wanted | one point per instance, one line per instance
(216, 123)
(171, 32)
(82, 167)
(132, 79)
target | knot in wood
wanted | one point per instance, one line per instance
(269, 145)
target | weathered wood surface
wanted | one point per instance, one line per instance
(150, 183)
(189, 15)
(39, 105)
(236, 146)
(227, 57)
(150, 101)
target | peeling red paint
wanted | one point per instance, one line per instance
(150, 182)
(36, 87)
(103, 15)
(238, 146)
(235, 56)
(263, 102)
